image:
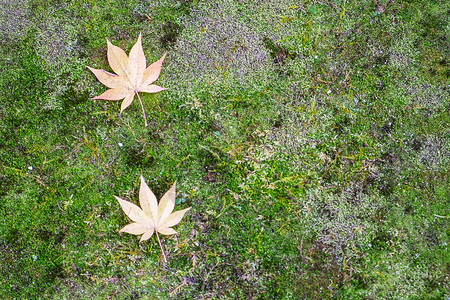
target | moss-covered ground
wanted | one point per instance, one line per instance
(311, 139)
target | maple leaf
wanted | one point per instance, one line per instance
(131, 76)
(152, 217)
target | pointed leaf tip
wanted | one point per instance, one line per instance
(167, 203)
(134, 212)
(174, 218)
(148, 201)
(134, 228)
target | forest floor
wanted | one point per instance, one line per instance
(310, 138)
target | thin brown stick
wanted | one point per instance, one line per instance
(143, 111)
(160, 245)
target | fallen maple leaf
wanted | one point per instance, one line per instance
(152, 217)
(132, 77)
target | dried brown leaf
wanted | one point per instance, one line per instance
(151, 217)
(131, 75)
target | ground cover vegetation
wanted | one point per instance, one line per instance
(311, 140)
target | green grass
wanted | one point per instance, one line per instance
(311, 140)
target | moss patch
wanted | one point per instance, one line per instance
(310, 139)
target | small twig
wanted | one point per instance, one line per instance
(443, 217)
(75, 137)
(22, 173)
(175, 290)
(160, 109)
(207, 276)
(143, 111)
(58, 148)
(160, 245)
(323, 81)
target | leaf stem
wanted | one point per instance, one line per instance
(143, 111)
(160, 245)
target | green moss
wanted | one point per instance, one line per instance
(311, 141)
